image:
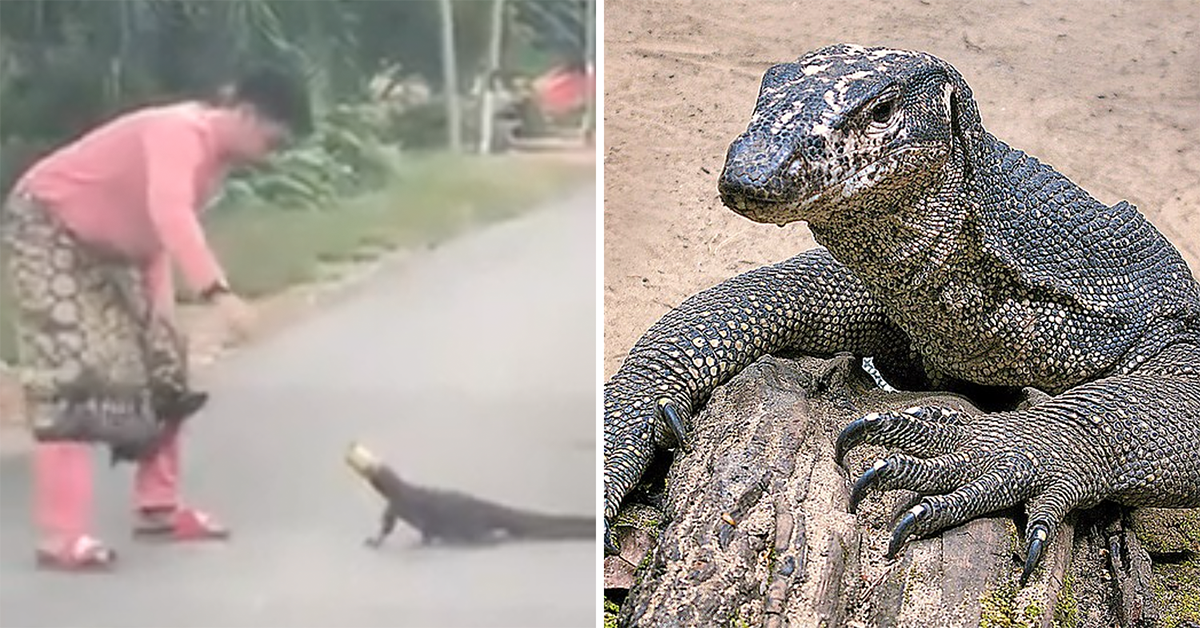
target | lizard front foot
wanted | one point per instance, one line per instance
(635, 424)
(964, 469)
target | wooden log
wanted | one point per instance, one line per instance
(757, 533)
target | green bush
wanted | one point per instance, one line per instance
(422, 126)
(346, 155)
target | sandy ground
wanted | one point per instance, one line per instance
(1108, 93)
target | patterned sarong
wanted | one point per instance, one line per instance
(100, 363)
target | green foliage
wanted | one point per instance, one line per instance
(102, 56)
(16, 155)
(423, 126)
(1066, 607)
(348, 153)
(430, 198)
(67, 65)
(552, 27)
(1177, 587)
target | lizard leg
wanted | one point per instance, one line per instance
(810, 303)
(387, 524)
(921, 431)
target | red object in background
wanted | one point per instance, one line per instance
(561, 91)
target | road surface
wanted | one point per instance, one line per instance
(472, 366)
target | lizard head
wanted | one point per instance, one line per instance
(846, 129)
(361, 460)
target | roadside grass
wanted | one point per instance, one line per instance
(433, 197)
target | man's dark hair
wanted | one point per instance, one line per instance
(279, 95)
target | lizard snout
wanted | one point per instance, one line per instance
(752, 170)
(759, 180)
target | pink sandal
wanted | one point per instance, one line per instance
(179, 524)
(82, 553)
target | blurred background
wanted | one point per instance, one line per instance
(433, 115)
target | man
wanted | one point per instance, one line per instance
(91, 233)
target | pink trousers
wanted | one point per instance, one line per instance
(62, 476)
(85, 298)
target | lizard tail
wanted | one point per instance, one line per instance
(553, 527)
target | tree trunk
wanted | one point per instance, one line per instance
(450, 78)
(757, 531)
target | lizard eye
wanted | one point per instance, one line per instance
(883, 111)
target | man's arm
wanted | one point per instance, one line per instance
(173, 152)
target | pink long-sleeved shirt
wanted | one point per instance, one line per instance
(135, 186)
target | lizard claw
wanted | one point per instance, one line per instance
(904, 530)
(865, 483)
(852, 436)
(610, 546)
(1036, 535)
(923, 431)
(670, 414)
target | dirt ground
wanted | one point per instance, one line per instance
(1106, 92)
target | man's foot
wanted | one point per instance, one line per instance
(179, 524)
(82, 553)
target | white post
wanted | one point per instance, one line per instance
(450, 77)
(487, 116)
(590, 55)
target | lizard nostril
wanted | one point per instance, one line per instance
(734, 183)
(760, 168)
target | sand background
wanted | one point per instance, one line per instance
(1106, 92)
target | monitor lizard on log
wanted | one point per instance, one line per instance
(957, 263)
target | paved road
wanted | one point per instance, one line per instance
(472, 366)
